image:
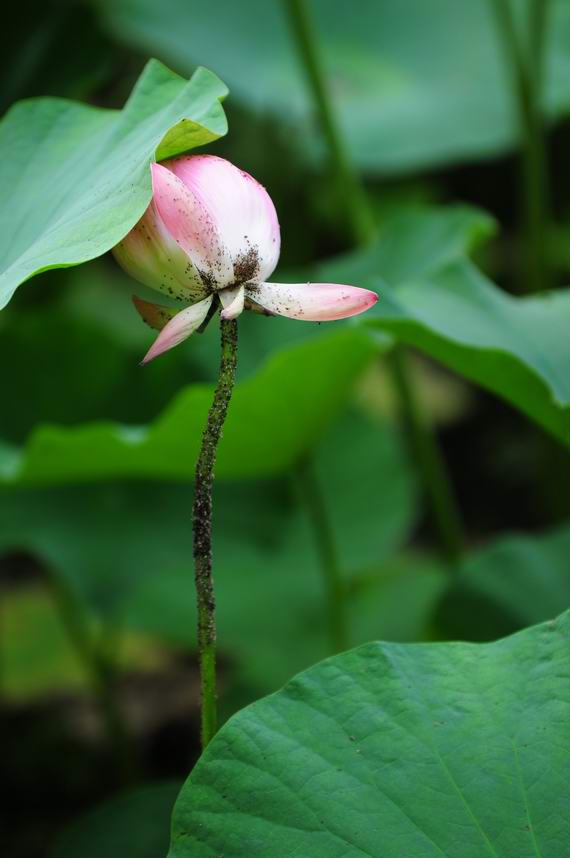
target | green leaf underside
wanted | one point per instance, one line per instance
(518, 348)
(276, 416)
(416, 83)
(433, 298)
(74, 179)
(391, 750)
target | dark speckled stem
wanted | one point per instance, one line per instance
(202, 523)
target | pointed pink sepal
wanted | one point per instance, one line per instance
(179, 329)
(314, 302)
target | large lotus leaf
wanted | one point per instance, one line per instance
(416, 82)
(391, 750)
(275, 417)
(74, 179)
(433, 298)
(518, 348)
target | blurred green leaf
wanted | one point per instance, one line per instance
(368, 489)
(74, 179)
(416, 241)
(271, 620)
(433, 298)
(416, 83)
(427, 750)
(514, 582)
(397, 600)
(269, 585)
(101, 382)
(134, 824)
(38, 656)
(275, 417)
(53, 48)
(125, 550)
(518, 348)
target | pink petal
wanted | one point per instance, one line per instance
(232, 302)
(150, 255)
(179, 328)
(241, 209)
(155, 315)
(192, 226)
(314, 302)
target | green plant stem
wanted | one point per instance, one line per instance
(315, 505)
(361, 221)
(526, 69)
(350, 190)
(99, 671)
(428, 457)
(202, 524)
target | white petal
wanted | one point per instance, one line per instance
(232, 302)
(191, 225)
(179, 328)
(241, 209)
(314, 302)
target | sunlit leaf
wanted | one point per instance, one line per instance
(74, 179)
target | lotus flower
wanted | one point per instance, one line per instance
(211, 236)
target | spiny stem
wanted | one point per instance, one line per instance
(526, 70)
(202, 524)
(315, 505)
(361, 221)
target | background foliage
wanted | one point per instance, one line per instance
(97, 454)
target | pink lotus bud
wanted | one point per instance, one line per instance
(212, 230)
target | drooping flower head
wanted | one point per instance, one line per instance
(211, 234)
